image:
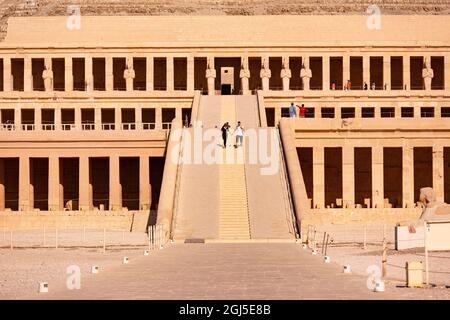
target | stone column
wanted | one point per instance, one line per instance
(244, 74)
(58, 119)
(138, 117)
(85, 186)
(78, 124)
(427, 73)
(277, 115)
(377, 177)
(89, 75)
(338, 112)
(54, 185)
(7, 76)
(377, 111)
(109, 74)
(129, 74)
(158, 118)
(438, 172)
(38, 118)
(265, 74)
(305, 73)
(366, 70)
(68, 74)
(149, 74)
(345, 68)
(348, 176)
(398, 111)
(2, 184)
(170, 74)
(118, 118)
(27, 74)
(144, 183)
(115, 189)
(98, 118)
(358, 112)
(406, 72)
(319, 177)
(18, 118)
(211, 76)
(24, 184)
(190, 74)
(47, 75)
(408, 176)
(326, 73)
(387, 72)
(447, 71)
(286, 74)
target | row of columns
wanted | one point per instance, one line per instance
(97, 117)
(55, 188)
(129, 74)
(348, 175)
(265, 73)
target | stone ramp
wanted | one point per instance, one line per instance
(198, 199)
(222, 271)
(271, 216)
(239, 195)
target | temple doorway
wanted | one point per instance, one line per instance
(227, 80)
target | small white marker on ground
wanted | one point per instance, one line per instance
(347, 269)
(379, 286)
(43, 287)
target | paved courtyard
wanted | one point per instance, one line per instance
(222, 271)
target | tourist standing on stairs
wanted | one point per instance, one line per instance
(225, 129)
(239, 131)
(292, 110)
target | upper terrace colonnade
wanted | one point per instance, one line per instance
(151, 54)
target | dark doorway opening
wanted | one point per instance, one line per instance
(225, 89)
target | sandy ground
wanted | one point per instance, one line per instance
(35, 258)
(348, 248)
(22, 268)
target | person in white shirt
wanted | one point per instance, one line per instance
(239, 131)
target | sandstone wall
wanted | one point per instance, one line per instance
(64, 220)
(215, 7)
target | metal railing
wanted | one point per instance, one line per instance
(108, 126)
(88, 126)
(68, 126)
(148, 126)
(287, 191)
(28, 127)
(48, 127)
(128, 126)
(8, 126)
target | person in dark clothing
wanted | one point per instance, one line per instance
(225, 129)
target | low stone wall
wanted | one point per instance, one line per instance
(388, 216)
(111, 220)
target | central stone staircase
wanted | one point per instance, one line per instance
(234, 220)
(230, 200)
